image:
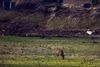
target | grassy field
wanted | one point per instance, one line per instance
(41, 52)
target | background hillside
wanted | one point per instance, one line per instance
(39, 22)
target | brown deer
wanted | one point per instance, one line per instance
(60, 53)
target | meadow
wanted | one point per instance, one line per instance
(18, 51)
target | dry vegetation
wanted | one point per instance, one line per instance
(16, 22)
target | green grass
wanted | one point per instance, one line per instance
(40, 52)
(51, 62)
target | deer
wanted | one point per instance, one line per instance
(60, 53)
